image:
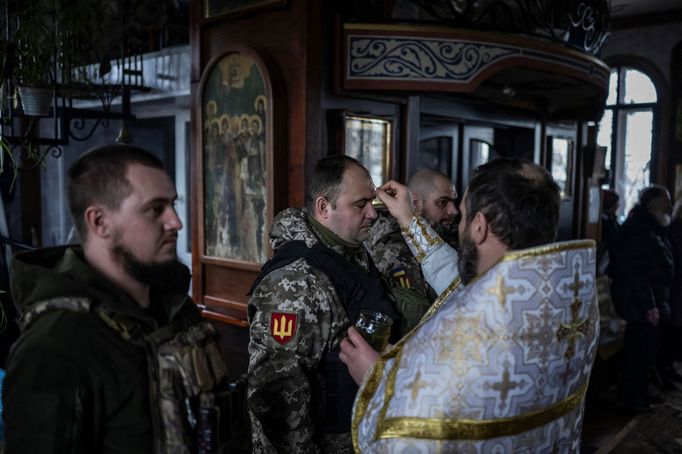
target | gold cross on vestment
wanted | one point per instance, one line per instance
(577, 328)
(505, 385)
(417, 385)
(501, 290)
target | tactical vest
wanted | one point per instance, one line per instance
(185, 369)
(335, 389)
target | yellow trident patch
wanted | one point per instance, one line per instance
(283, 326)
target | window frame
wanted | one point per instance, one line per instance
(618, 123)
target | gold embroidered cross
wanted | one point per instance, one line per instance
(577, 328)
(505, 385)
(501, 290)
(417, 385)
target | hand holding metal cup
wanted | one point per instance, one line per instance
(375, 328)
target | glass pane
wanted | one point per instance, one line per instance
(561, 164)
(369, 140)
(613, 88)
(479, 153)
(635, 175)
(436, 153)
(604, 134)
(638, 87)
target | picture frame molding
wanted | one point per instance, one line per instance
(337, 120)
(200, 251)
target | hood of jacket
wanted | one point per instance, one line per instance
(383, 227)
(63, 272)
(291, 225)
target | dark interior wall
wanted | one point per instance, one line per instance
(675, 158)
(515, 142)
(650, 48)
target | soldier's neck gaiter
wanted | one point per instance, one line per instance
(354, 253)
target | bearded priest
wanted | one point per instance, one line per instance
(502, 360)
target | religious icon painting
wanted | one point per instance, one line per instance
(236, 140)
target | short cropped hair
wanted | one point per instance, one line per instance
(327, 177)
(519, 199)
(99, 177)
(422, 182)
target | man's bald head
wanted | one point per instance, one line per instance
(434, 196)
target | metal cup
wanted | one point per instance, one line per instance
(375, 328)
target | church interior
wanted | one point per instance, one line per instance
(589, 90)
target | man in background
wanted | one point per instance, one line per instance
(434, 197)
(642, 277)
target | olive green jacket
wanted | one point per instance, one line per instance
(73, 384)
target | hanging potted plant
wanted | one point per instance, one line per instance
(59, 41)
(35, 43)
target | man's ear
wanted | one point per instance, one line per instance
(322, 206)
(479, 228)
(96, 221)
(417, 203)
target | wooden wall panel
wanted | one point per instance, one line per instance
(280, 38)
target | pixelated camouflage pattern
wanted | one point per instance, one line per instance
(41, 307)
(389, 251)
(283, 407)
(189, 366)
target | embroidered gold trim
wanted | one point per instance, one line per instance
(470, 429)
(547, 249)
(407, 233)
(364, 396)
(431, 241)
(441, 299)
(367, 392)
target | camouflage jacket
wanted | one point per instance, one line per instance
(295, 316)
(393, 257)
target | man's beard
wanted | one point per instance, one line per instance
(448, 232)
(468, 258)
(154, 274)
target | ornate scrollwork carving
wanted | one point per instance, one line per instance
(423, 59)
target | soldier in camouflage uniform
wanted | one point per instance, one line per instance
(434, 199)
(300, 395)
(82, 377)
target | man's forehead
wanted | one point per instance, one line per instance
(150, 182)
(443, 187)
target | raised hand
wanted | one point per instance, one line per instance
(398, 199)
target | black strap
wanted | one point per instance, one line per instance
(357, 290)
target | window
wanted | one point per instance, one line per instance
(626, 130)
(561, 164)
